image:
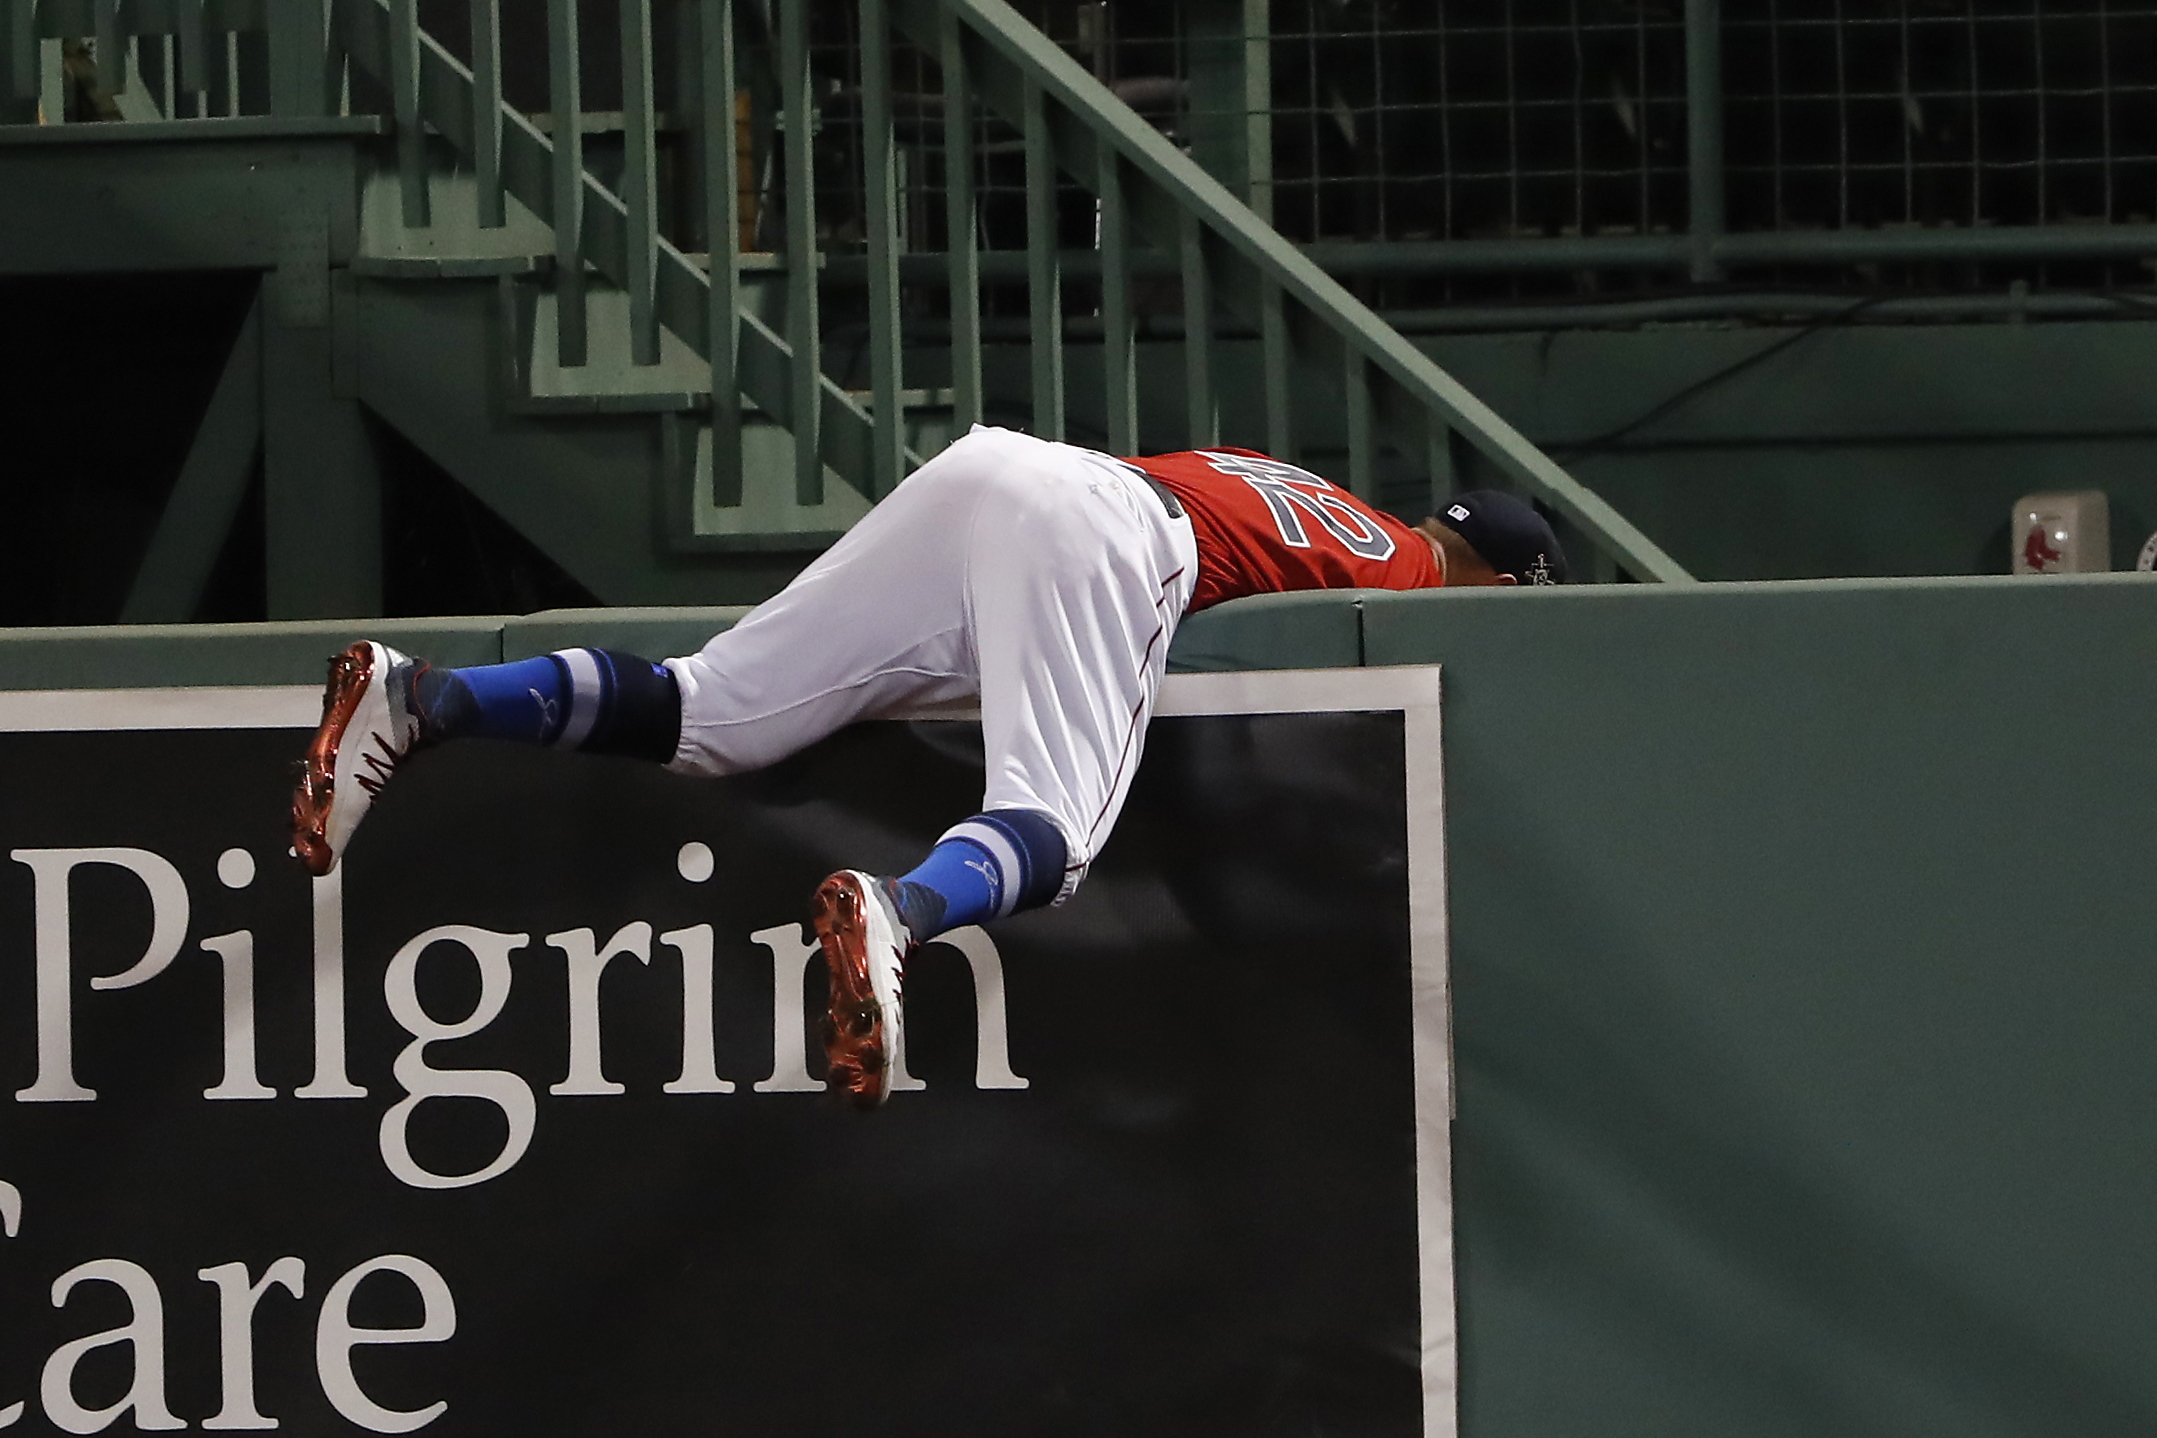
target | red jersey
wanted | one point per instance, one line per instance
(1264, 527)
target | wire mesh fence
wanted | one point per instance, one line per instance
(1403, 122)
(1409, 123)
(1936, 113)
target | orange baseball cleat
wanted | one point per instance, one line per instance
(370, 723)
(865, 946)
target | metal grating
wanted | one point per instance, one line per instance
(1969, 113)
(1489, 119)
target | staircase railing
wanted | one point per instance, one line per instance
(1156, 209)
(617, 235)
(1230, 261)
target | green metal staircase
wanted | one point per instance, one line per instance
(667, 423)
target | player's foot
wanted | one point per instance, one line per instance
(370, 722)
(865, 948)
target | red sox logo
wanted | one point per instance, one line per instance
(2037, 550)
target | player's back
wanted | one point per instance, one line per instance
(1266, 527)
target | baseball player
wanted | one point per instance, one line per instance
(1044, 579)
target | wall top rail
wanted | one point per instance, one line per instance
(159, 655)
(227, 128)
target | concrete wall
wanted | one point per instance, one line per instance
(1854, 450)
(1802, 971)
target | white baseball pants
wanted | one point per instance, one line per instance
(1045, 579)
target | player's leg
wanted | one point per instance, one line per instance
(1076, 573)
(600, 701)
(1072, 640)
(876, 622)
(381, 706)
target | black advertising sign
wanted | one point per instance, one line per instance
(515, 1125)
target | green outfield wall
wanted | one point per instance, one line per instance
(1804, 979)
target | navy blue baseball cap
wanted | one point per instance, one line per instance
(1509, 534)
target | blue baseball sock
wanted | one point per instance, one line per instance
(991, 866)
(595, 700)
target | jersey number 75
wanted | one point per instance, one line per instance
(1293, 495)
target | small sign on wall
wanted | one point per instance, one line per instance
(2069, 532)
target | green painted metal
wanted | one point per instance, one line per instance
(1801, 1048)
(2000, 242)
(722, 198)
(322, 491)
(1312, 630)
(1119, 373)
(1274, 340)
(216, 131)
(1258, 107)
(1442, 463)
(52, 86)
(194, 49)
(1226, 96)
(22, 50)
(486, 22)
(111, 52)
(1044, 266)
(640, 181)
(75, 19)
(798, 115)
(411, 131)
(1415, 384)
(1204, 414)
(879, 157)
(171, 655)
(567, 212)
(962, 220)
(206, 497)
(587, 494)
(298, 59)
(767, 370)
(1362, 445)
(1704, 134)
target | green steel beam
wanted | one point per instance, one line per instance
(1443, 463)
(1704, 135)
(961, 221)
(18, 64)
(566, 209)
(797, 103)
(1119, 360)
(322, 491)
(1362, 444)
(111, 52)
(205, 499)
(722, 199)
(1044, 267)
(1204, 415)
(411, 130)
(194, 48)
(1276, 350)
(299, 59)
(1095, 120)
(640, 178)
(74, 19)
(879, 158)
(153, 132)
(487, 111)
